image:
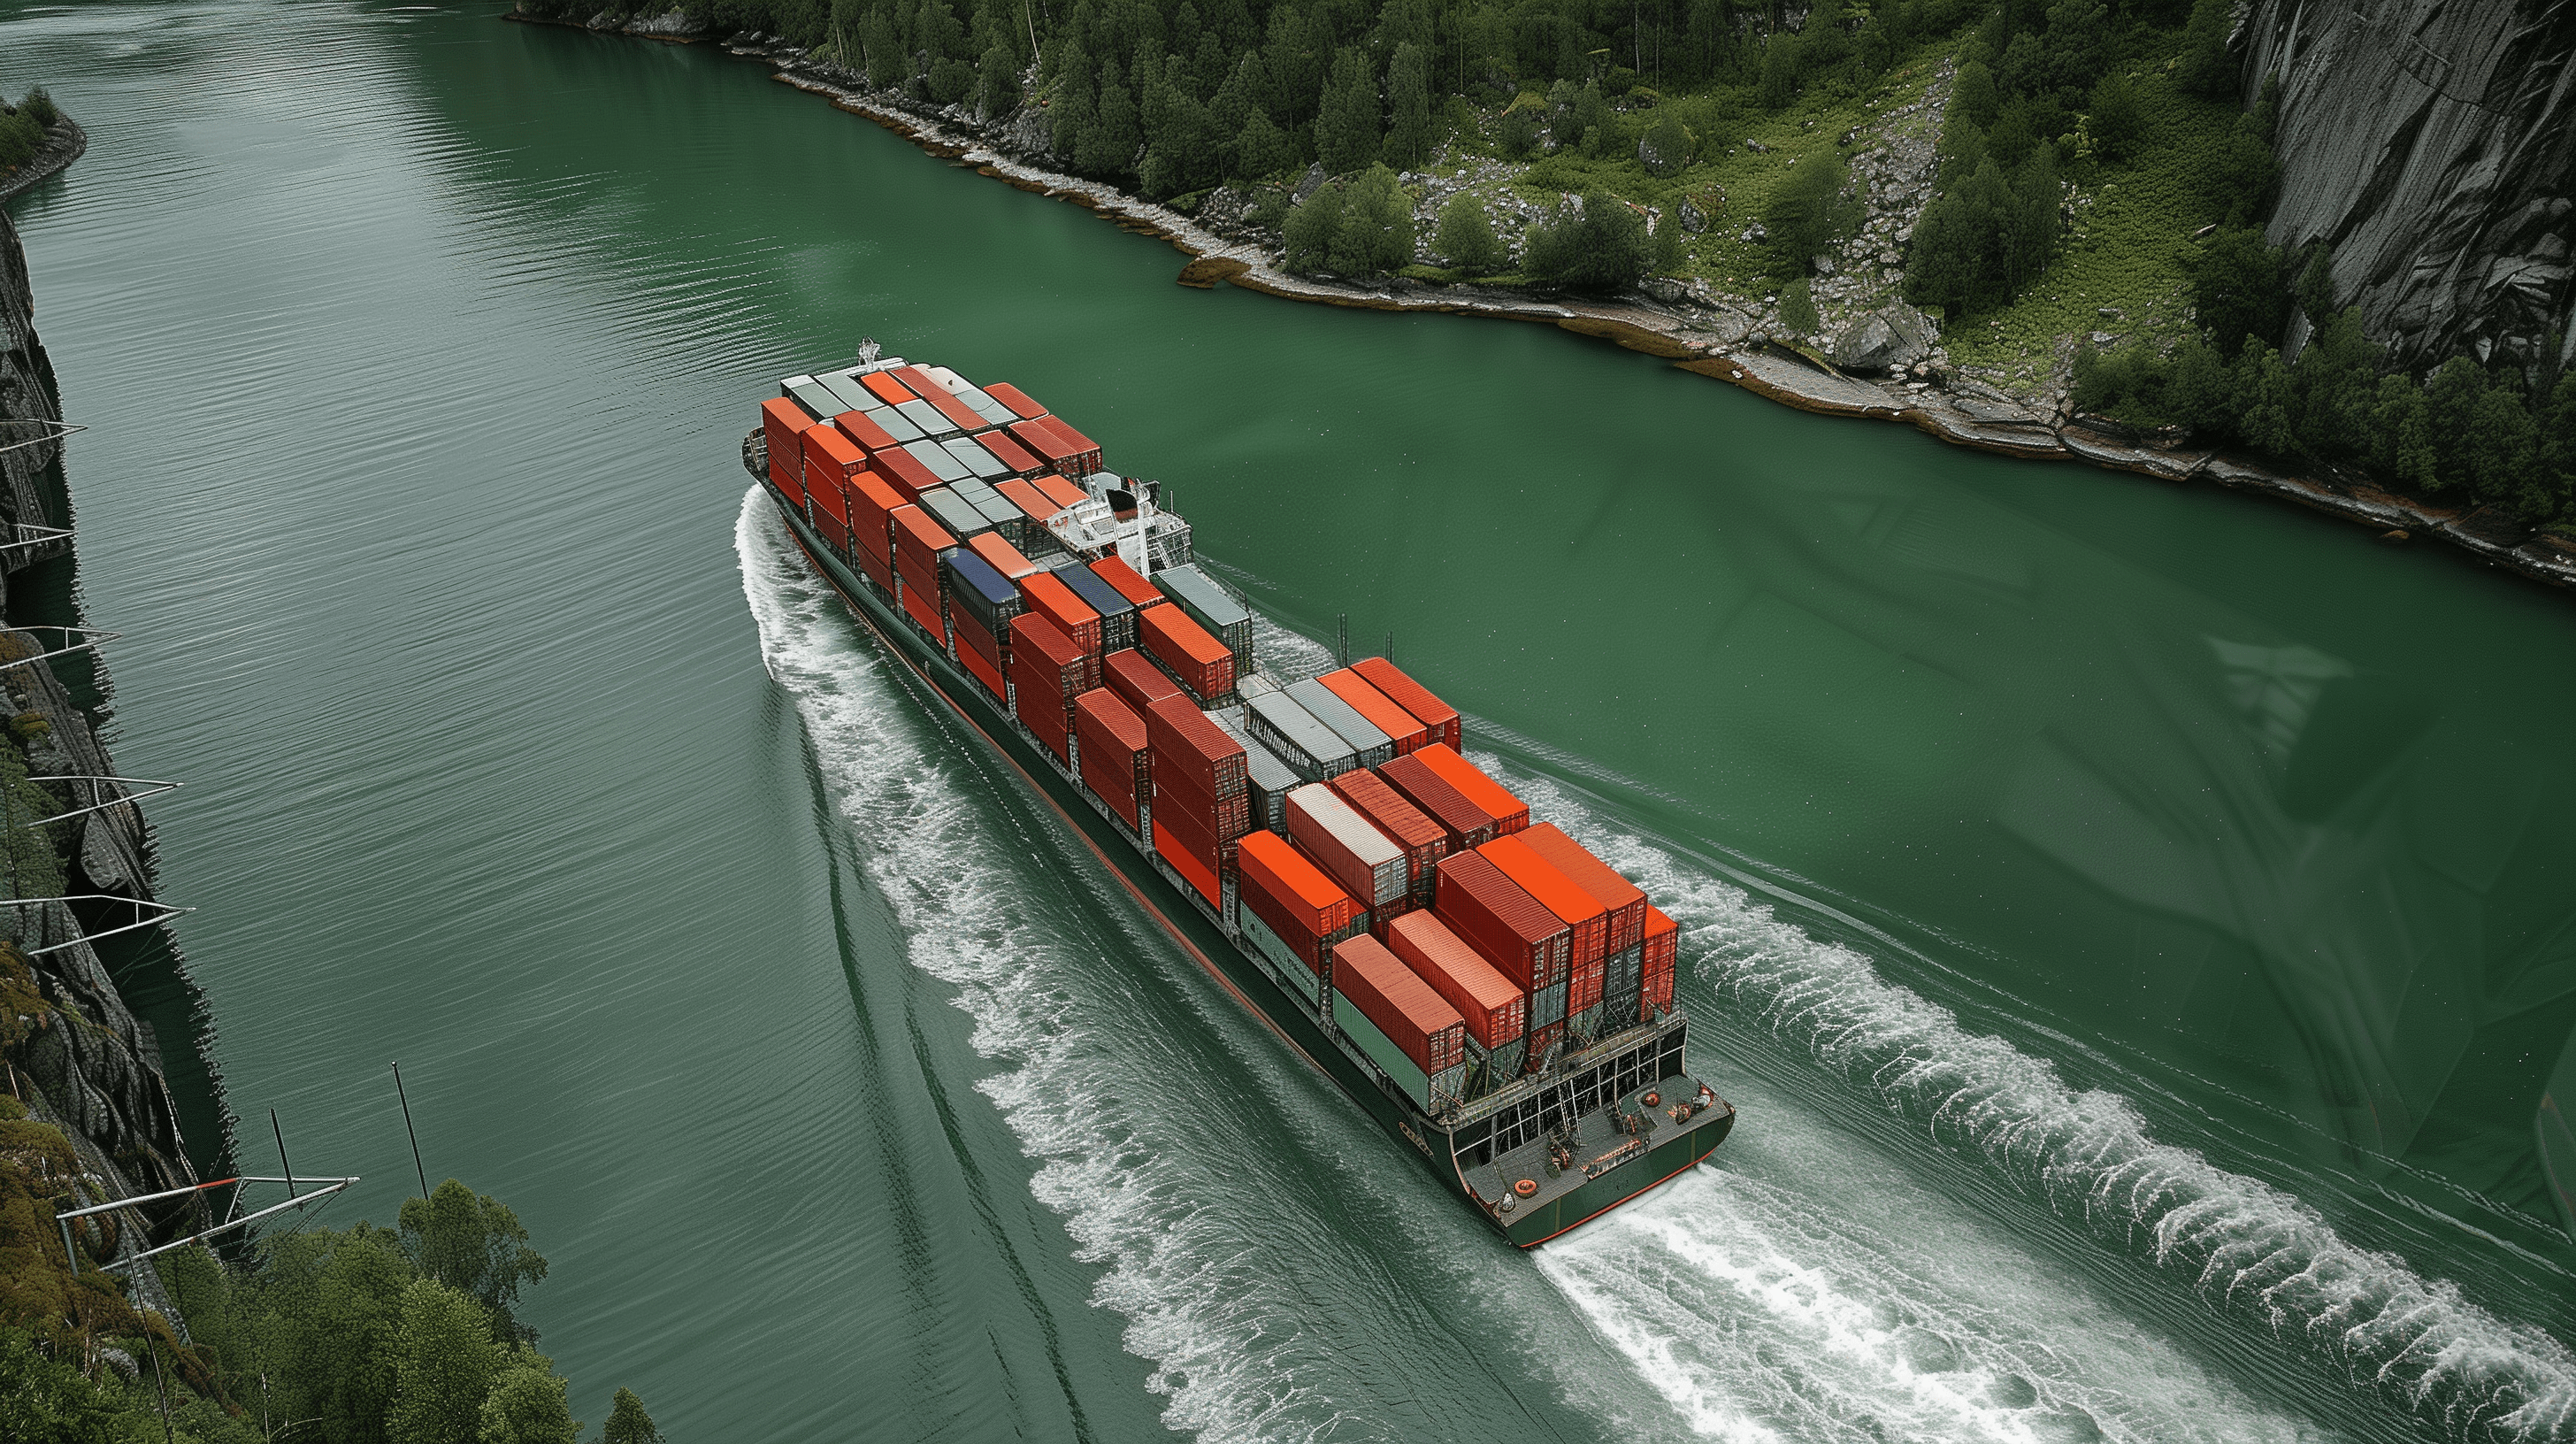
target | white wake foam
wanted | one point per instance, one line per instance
(2242, 1244)
(1223, 1341)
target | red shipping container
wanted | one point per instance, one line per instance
(919, 540)
(834, 533)
(1504, 924)
(971, 636)
(1064, 455)
(1139, 683)
(887, 389)
(1191, 853)
(922, 606)
(1010, 453)
(1583, 985)
(937, 395)
(904, 473)
(871, 502)
(1587, 921)
(1424, 841)
(1497, 1013)
(1197, 749)
(1410, 1012)
(1047, 595)
(870, 436)
(1300, 905)
(1510, 814)
(1399, 725)
(1016, 399)
(1467, 825)
(979, 666)
(1005, 557)
(782, 425)
(1059, 490)
(1195, 659)
(1663, 943)
(830, 454)
(1037, 504)
(1618, 896)
(875, 569)
(1117, 761)
(829, 500)
(1413, 697)
(1223, 819)
(1050, 672)
(1139, 592)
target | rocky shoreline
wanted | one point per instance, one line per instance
(1682, 324)
(82, 1060)
(65, 143)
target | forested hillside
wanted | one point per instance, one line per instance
(2073, 193)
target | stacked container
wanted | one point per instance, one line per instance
(1117, 614)
(810, 394)
(1312, 750)
(1049, 597)
(1005, 558)
(872, 504)
(1497, 1013)
(1291, 912)
(1062, 454)
(871, 429)
(1413, 697)
(1625, 905)
(1400, 1021)
(1048, 671)
(1587, 926)
(1185, 650)
(981, 603)
(1213, 608)
(1201, 801)
(903, 473)
(1467, 825)
(1402, 728)
(1347, 847)
(1369, 745)
(1424, 842)
(1016, 399)
(1510, 814)
(782, 425)
(1662, 951)
(919, 542)
(952, 511)
(1138, 591)
(1117, 761)
(1268, 779)
(1138, 683)
(1511, 930)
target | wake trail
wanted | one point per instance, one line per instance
(1718, 1251)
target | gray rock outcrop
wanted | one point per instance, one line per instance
(1890, 338)
(2433, 144)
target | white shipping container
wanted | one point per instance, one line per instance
(1345, 845)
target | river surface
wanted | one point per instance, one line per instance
(2135, 922)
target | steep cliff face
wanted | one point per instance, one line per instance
(87, 1064)
(2433, 143)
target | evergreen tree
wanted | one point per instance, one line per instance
(1311, 228)
(2451, 402)
(2199, 392)
(1246, 89)
(1516, 134)
(1409, 137)
(2316, 285)
(997, 81)
(2401, 433)
(2269, 399)
(1466, 237)
(1346, 127)
(1666, 252)
(2503, 448)
(1779, 70)
(1972, 96)
(1299, 47)
(1071, 119)
(2236, 290)
(444, 1363)
(1263, 149)
(2207, 67)
(1599, 245)
(1810, 214)
(2118, 121)
(474, 1244)
(628, 1423)
(1798, 308)
(1666, 148)
(1376, 231)
(2557, 459)
(2241, 180)
(1979, 241)
(888, 65)
(1109, 146)
(2337, 378)
(1187, 155)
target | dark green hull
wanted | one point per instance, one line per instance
(1202, 932)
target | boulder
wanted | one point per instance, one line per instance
(671, 25)
(1691, 220)
(1890, 338)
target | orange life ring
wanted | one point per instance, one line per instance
(1526, 1188)
(1653, 1100)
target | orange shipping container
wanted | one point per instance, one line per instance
(1496, 1012)
(871, 502)
(782, 426)
(870, 436)
(1059, 490)
(1138, 591)
(919, 540)
(1138, 683)
(1028, 498)
(980, 667)
(1005, 557)
(888, 390)
(1423, 840)
(1620, 897)
(1413, 697)
(1117, 762)
(1200, 662)
(1507, 926)
(906, 474)
(1467, 825)
(1587, 922)
(830, 454)
(1016, 399)
(1510, 814)
(937, 395)
(1191, 854)
(1302, 907)
(1400, 726)
(1412, 1015)
(1048, 596)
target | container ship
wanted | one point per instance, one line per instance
(1495, 995)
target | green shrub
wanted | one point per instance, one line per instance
(1599, 245)
(1466, 237)
(1798, 308)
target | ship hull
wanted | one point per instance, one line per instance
(1184, 915)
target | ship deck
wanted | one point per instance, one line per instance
(1597, 1144)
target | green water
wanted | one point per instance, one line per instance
(2133, 921)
